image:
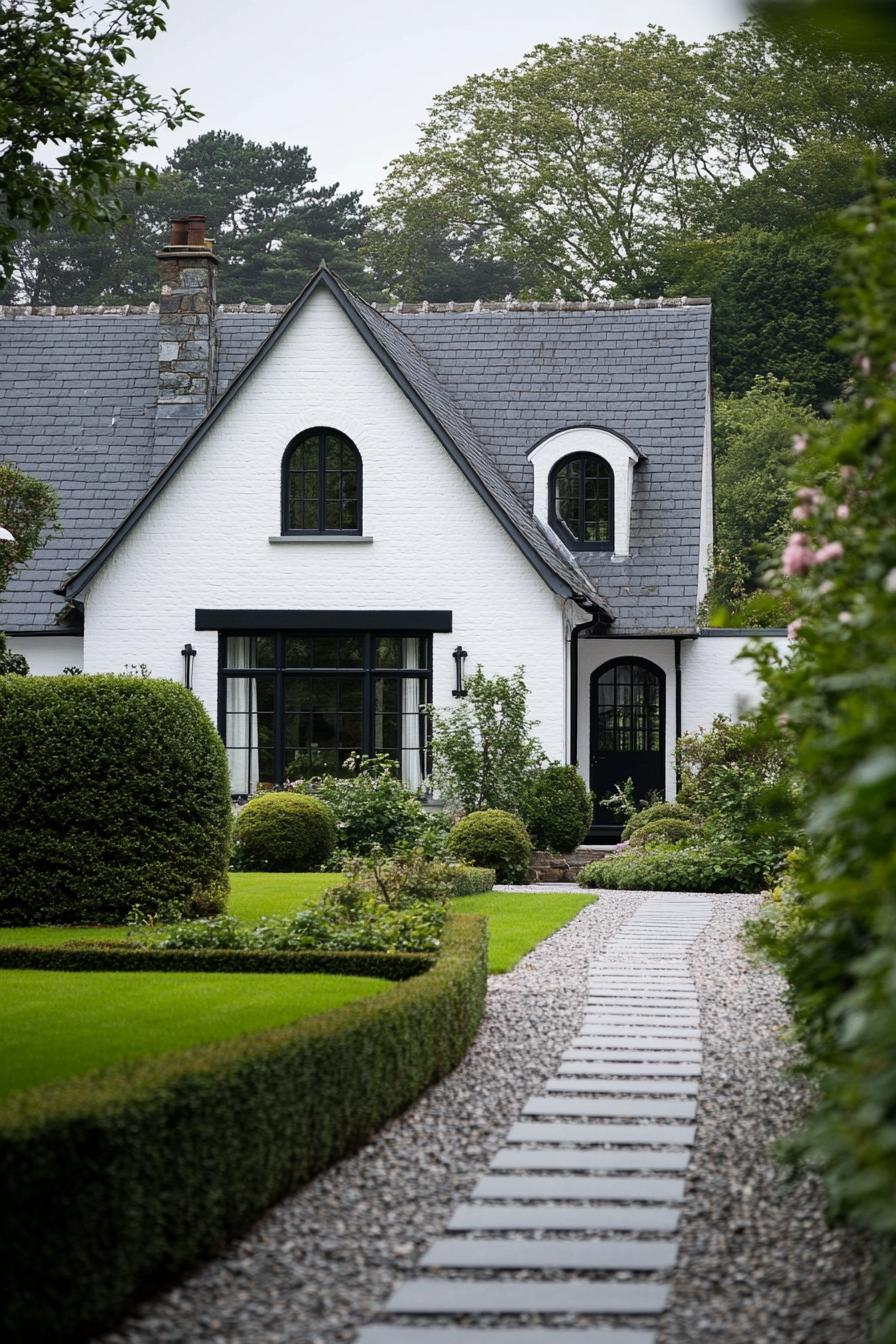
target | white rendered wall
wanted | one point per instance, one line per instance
(204, 541)
(48, 654)
(714, 680)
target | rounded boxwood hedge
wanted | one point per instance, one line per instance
(284, 833)
(114, 793)
(663, 831)
(557, 809)
(493, 839)
(653, 813)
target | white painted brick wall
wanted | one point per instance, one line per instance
(204, 542)
(48, 654)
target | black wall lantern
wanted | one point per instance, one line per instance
(188, 653)
(460, 658)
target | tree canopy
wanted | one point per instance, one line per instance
(64, 84)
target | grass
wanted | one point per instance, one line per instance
(60, 1023)
(518, 921)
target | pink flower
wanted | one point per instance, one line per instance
(793, 630)
(847, 472)
(799, 443)
(890, 581)
(783, 720)
(842, 511)
(801, 514)
(809, 494)
(798, 556)
(865, 365)
(826, 587)
(831, 550)
(845, 617)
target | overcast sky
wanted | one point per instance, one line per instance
(351, 79)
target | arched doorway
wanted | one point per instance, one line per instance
(628, 732)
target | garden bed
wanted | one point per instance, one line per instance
(116, 1181)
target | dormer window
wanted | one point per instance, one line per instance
(321, 487)
(581, 502)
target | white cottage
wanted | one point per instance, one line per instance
(316, 514)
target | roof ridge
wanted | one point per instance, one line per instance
(399, 309)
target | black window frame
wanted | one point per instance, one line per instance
(367, 673)
(560, 526)
(321, 431)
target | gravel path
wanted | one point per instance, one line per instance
(756, 1262)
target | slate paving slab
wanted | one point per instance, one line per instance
(563, 1132)
(628, 1107)
(443, 1296)
(661, 1069)
(583, 1159)
(591, 1253)
(563, 1218)
(620, 1086)
(412, 1334)
(640, 1189)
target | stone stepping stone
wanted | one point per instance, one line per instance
(437, 1297)
(550, 1253)
(610, 1040)
(649, 1008)
(624, 1069)
(563, 1218)
(629, 1050)
(638, 1189)
(622, 1086)
(641, 1017)
(629, 1108)
(588, 1159)
(639, 994)
(428, 1334)
(562, 1132)
(653, 983)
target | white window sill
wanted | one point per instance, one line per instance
(316, 539)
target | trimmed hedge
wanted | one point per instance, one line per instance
(663, 831)
(558, 809)
(467, 881)
(90, 956)
(283, 833)
(113, 1183)
(494, 839)
(114, 792)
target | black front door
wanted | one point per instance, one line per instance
(627, 735)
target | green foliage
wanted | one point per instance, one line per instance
(577, 166)
(128, 956)
(484, 750)
(704, 866)
(270, 221)
(29, 509)
(493, 839)
(557, 808)
(283, 833)
(663, 831)
(98, 1205)
(655, 812)
(372, 807)
(65, 79)
(466, 881)
(15, 664)
(832, 703)
(621, 800)
(114, 793)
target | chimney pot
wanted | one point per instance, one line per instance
(195, 230)
(178, 233)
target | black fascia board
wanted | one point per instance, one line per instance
(241, 618)
(81, 577)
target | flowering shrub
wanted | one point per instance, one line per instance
(372, 808)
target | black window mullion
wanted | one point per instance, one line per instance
(279, 657)
(322, 482)
(367, 701)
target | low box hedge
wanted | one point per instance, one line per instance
(467, 881)
(113, 1183)
(90, 956)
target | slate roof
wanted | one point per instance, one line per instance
(77, 401)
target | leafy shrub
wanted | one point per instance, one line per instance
(114, 792)
(484, 749)
(493, 839)
(703, 867)
(15, 664)
(663, 831)
(653, 813)
(372, 807)
(283, 833)
(98, 1205)
(466, 881)
(557, 808)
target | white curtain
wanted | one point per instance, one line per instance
(242, 720)
(411, 755)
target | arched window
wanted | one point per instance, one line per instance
(581, 502)
(321, 484)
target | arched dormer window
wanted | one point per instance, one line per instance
(321, 487)
(581, 502)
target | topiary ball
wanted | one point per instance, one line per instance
(284, 833)
(493, 839)
(664, 831)
(653, 813)
(557, 809)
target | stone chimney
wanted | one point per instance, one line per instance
(187, 307)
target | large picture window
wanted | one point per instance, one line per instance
(321, 485)
(581, 502)
(294, 705)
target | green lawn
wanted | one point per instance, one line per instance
(56, 1024)
(518, 920)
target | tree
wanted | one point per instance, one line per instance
(64, 84)
(271, 225)
(29, 517)
(578, 165)
(484, 750)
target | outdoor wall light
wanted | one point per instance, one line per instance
(460, 658)
(188, 653)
